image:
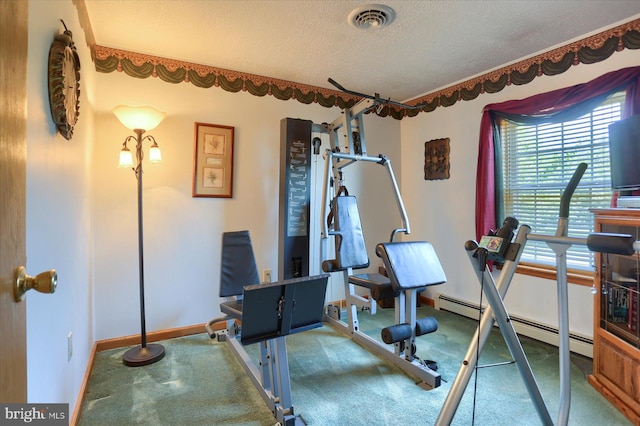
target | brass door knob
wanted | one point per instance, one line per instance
(45, 282)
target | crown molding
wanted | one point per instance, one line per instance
(589, 50)
(141, 65)
(593, 49)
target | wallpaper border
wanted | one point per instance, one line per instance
(589, 50)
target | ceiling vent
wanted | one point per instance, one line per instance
(371, 16)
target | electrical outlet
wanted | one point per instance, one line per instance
(69, 346)
(266, 275)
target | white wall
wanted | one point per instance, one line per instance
(183, 234)
(58, 218)
(443, 211)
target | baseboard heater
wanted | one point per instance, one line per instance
(545, 333)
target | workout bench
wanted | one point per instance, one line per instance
(411, 267)
(267, 314)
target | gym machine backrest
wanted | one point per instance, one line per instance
(238, 266)
(237, 269)
(350, 248)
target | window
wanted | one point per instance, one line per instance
(538, 162)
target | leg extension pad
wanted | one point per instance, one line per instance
(396, 333)
(426, 325)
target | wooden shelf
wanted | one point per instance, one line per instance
(616, 342)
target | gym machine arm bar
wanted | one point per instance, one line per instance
(329, 162)
(378, 100)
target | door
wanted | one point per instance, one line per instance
(13, 153)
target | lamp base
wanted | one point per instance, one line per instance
(139, 356)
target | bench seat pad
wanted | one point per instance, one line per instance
(379, 285)
(411, 264)
(232, 308)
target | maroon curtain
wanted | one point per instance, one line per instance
(542, 105)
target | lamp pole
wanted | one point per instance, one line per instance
(143, 354)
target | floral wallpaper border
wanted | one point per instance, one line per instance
(590, 50)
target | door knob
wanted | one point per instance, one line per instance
(45, 282)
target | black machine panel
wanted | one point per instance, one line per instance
(282, 308)
(295, 187)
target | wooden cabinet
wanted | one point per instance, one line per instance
(616, 335)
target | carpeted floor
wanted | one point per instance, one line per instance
(336, 382)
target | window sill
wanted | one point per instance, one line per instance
(574, 276)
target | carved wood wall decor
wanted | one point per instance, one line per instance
(436, 159)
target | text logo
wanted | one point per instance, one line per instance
(37, 414)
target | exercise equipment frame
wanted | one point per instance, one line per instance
(403, 353)
(497, 312)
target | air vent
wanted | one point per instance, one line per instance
(372, 16)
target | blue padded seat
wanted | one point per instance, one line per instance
(379, 285)
(233, 308)
(411, 264)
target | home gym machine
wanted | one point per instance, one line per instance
(410, 266)
(499, 247)
(265, 314)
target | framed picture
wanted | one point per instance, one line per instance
(213, 162)
(436, 159)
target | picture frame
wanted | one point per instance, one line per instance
(436, 159)
(213, 161)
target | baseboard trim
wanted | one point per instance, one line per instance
(582, 345)
(75, 418)
(154, 336)
(427, 301)
(121, 342)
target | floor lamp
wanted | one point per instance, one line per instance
(140, 120)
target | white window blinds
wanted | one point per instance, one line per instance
(538, 162)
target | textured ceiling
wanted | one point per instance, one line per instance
(429, 45)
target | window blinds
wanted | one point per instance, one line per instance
(538, 162)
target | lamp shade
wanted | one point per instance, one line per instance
(154, 154)
(126, 158)
(139, 117)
